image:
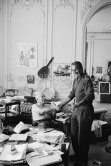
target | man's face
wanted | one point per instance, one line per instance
(75, 70)
(40, 100)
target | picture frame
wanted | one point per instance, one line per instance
(27, 54)
(62, 69)
(104, 87)
(11, 92)
(98, 69)
(30, 79)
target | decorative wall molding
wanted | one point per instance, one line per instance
(63, 3)
(28, 4)
(108, 30)
(86, 5)
(0, 5)
(96, 6)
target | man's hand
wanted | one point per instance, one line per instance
(53, 106)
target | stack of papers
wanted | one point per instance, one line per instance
(51, 159)
(7, 155)
(53, 137)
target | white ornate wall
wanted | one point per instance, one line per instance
(88, 9)
(49, 24)
(57, 27)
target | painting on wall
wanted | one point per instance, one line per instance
(98, 69)
(62, 69)
(30, 79)
(27, 54)
(62, 79)
(104, 87)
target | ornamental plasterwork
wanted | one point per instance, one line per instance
(63, 3)
(27, 4)
(86, 5)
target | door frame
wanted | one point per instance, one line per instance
(89, 15)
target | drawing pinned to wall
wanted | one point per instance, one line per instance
(62, 69)
(27, 54)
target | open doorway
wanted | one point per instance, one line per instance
(99, 7)
(98, 50)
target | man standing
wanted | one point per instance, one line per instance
(83, 112)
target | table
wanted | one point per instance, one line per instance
(7, 107)
(64, 123)
(99, 113)
(35, 159)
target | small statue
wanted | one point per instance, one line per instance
(109, 73)
(107, 77)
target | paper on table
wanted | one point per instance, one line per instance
(52, 136)
(97, 124)
(35, 145)
(44, 160)
(18, 137)
(6, 154)
(20, 127)
(3, 137)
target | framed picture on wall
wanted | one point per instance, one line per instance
(62, 69)
(104, 87)
(30, 79)
(98, 69)
(27, 54)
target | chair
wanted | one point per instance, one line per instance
(26, 106)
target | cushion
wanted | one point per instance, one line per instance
(24, 107)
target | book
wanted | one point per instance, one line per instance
(20, 128)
